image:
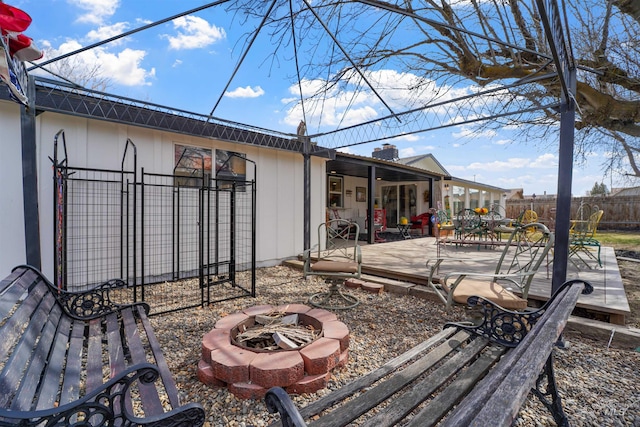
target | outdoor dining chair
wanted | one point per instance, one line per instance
(582, 240)
(445, 224)
(508, 284)
(338, 259)
(469, 225)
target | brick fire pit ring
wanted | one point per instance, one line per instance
(248, 373)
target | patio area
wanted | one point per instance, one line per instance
(404, 261)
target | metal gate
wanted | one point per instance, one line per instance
(176, 242)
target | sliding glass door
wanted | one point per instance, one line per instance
(399, 201)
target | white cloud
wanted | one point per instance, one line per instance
(544, 161)
(96, 11)
(122, 67)
(106, 31)
(245, 92)
(176, 63)
(470, 132)
(503, 142)
(194, 33)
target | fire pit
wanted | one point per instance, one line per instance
(292, 346)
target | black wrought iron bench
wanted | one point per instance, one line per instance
(464, 376)
(81, 359)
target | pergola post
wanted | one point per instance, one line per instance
(565, 178)
(371, 191)
(30, 178)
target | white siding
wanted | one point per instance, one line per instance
(99, 144)
(12, 246)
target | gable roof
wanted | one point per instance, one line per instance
(425, 161)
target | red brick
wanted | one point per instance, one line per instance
(213, 340)
(344, 359)
(293, 308)
(374, 288)
(309, 384)
(231, 320)
(322, 315)
(280, 368)
(206, 376)
(247, 390)
(231, 364)
(338, 331)
(321, 356)
(257, 309)
(353, 283)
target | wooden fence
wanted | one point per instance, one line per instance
(620, 212)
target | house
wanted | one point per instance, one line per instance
(97, 132)
(455, 194)
(401, 187)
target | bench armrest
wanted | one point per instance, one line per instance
(277, 400)
(94, 303)
(508, 327)
(90, 304)
(100, 404)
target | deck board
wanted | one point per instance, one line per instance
(405, 260)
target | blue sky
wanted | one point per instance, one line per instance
(186, 64)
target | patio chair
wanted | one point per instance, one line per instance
(519, 261)
(582, 241)
(420, 222)
(340, 259)
(469, 225)
(527, 216)
(492, 222)
(444, 223)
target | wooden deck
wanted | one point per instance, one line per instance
(405, 261)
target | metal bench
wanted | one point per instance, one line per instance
(467, 375)
(70, 358)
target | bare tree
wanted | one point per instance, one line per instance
(484, 42)
(79, 72)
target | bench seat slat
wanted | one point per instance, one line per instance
(29, 385)
(18, 361)
(148, 392)
(399, 380)
(442, 403)
(12, 328)
(338, 395)
(72, 373)
(161, 362)
(407, 402)
(58, 360)
(115, 347)
(94, 356)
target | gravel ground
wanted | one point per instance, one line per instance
(599, 386)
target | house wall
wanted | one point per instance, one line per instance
(100, 144)
(12, 245)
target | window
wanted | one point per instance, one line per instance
(335, 197)
(192, 165)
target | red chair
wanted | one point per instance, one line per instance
(421, 222)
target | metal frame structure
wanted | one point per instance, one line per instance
(54, 96)
(177, 243)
